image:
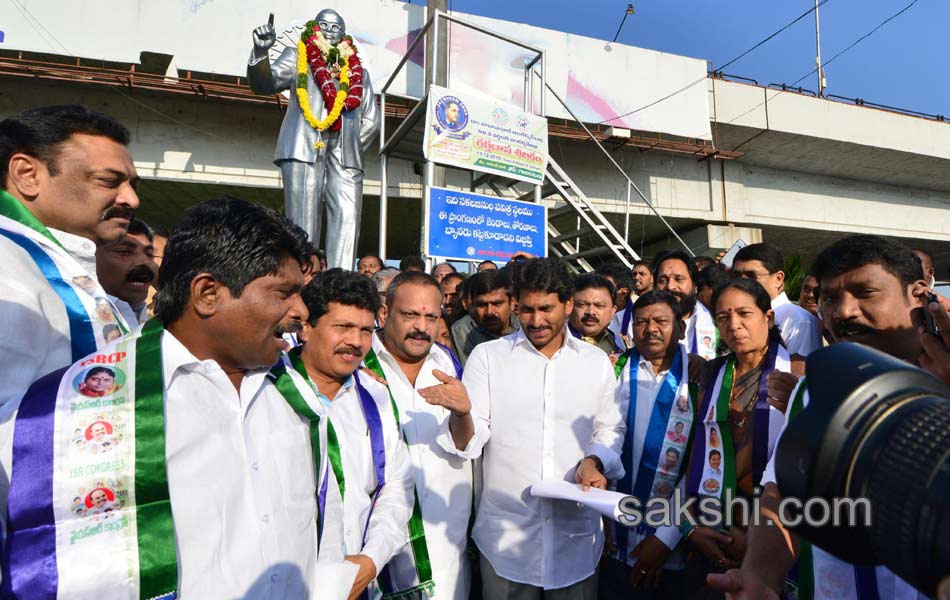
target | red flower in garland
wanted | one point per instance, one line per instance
(325, 80)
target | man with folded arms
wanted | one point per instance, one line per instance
(548, 400)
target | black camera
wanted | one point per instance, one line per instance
(875, 428)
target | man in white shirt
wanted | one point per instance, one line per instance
(885, 321)
(801, 330)
(434, 412)
(68, 182)
(675, 272)
(126, 269)
(373, 468)
(654, 382)
(227, 451)
(549, 402)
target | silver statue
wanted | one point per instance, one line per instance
(312, 178)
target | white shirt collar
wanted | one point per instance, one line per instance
(780, 300)
(574, 343)
(176, 357)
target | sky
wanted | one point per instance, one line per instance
(903, 64)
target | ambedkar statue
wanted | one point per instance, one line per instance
(330, 122)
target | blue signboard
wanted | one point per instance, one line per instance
(467, 226)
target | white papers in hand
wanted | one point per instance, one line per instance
(605, 502)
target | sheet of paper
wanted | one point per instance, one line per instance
(604, 502)
(335, 579)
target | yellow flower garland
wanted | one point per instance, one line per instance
(303, 98)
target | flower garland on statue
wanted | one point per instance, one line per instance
(327, 63)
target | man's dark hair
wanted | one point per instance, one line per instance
(455, 275)
(96, 370)
(486, 261)
(139, 227)
(770, 256)
(486, 282)
(680, 255)
(711, 277)
(348, 288)
(379, 261)
(39, 132)
(716, 452)
(110, 328)
(162, 230)
(859, 250)
(622, 276)
(547, 275)
(412, 262)
(234, 241)
(659, 297)
(410, 277)
(449, 265)
(594, 281)
(640, 263)
(672, 449)
(703, 262)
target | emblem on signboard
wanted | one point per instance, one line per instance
(451, 113)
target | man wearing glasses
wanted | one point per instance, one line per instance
(800, 329)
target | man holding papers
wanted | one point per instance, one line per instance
(654, 383)
(548, 399)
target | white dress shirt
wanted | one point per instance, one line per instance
(801, 330)
(648, 386)
(386, 532)
(443, 474)
(889, 585)
(241, 482)
(544, 415)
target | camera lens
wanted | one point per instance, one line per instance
(875, 428)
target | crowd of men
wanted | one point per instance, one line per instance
(207, 412)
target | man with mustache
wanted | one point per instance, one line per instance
(373, 468)
(592, 314)
(229, 449)
(801, 331)
(451, 303)
(68, 182)
(490, 316)
(675, 272)
(655, 387)
(126, 268)
(870, 292)
(434, 413)
(623, 281)
(548, 401)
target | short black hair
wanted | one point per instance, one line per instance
(859, 250)
(233, 240)
(410, 277)
(659, 297)
(770, 256)
(716, 452)
(96, 370)
(39, 132)
(711, 277)
(412, 262)
(547, 275)
(640, 263)
(139, 227)
(162, 230)
(348, 288)
(594, 281)
(486, 282)
(455, 275)
(680, 255)
(703, 262)
(622, 276)
(486, 261)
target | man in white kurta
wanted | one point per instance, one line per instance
(801, 330)
(414, 365)
(342, 307)
(548, 398)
